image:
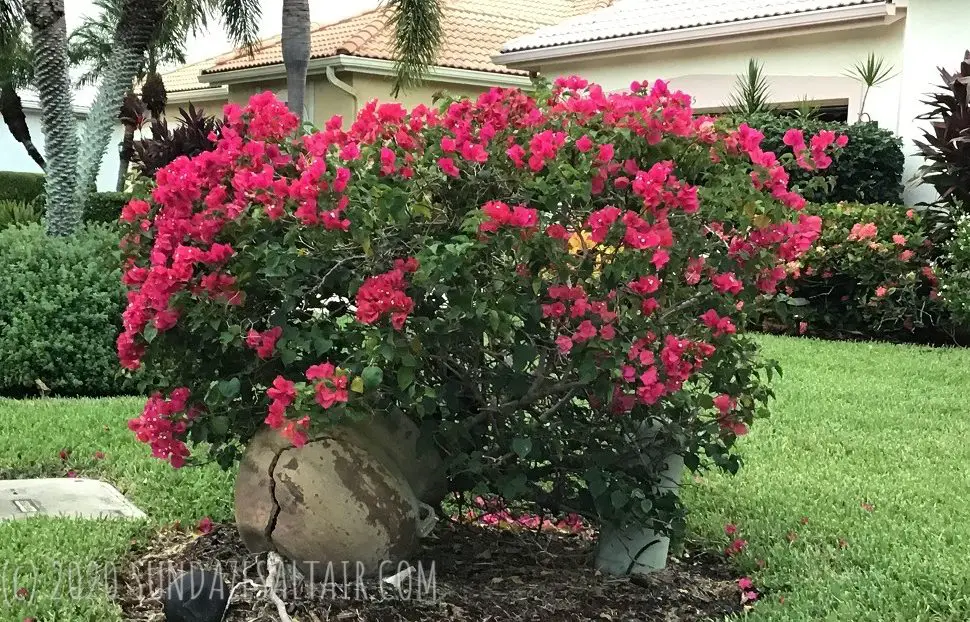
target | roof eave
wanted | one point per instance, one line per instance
(205, 92)
(374, 66)
(867, 14)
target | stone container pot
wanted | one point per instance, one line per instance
(639, 549)
(347, 496)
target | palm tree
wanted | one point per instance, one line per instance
(295, 40)
(90, 46)
(16, 72)
(139, 23)
(417, 36)
(49, 34)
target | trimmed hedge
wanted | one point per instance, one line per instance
(102, 207)
(870, 274)
(23, 187)
(60, 305)
(869, 169)
(105, 207)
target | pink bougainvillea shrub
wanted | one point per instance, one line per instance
(552, 285)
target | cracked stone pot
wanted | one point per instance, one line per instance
(347, 496)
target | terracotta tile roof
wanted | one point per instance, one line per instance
(186, 78)
(474, 30)
(637, 17)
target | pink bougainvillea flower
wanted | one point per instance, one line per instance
(64, 454)
(906, 255)
(748, 597)
(862, 231)
(23, 593)
(881, 291)
(899, 240)
(910, 214)
(72, 474)
(736, 547)
(99, 455)
(564, 343)
(205, 526)
(745, 583)
(730, 529)
(802, 328)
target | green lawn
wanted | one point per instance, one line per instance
(853, 424)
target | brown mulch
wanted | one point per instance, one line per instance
(479, 574)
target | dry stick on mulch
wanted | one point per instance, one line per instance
(480, 573)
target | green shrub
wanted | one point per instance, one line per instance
(869, 169)
(21, 186)
(17, 213)
(60, 305)
(105, 206)
(955, 286)
(102, 207)
(869, 274)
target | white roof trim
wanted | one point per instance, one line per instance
(205, 92)
(871, 13)
(374, 66)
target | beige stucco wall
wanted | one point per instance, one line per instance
(324, 100)
(211, 105)
(797, 65)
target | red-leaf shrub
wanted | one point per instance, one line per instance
(552, 286)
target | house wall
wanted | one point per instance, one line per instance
(936, 35)
(324, 100)
(809, 64)
(13, 156)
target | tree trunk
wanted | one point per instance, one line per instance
(49, 32)
(127, 148)
(296, 52)
(12, 109)
(138, 22)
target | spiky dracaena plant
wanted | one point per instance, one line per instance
(946, 146)
(53, 83)
(751, 94)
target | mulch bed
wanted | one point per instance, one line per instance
(480, 574)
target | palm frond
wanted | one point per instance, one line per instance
(417, 37)
(241, 19)
(751, 93)
(12, 20)
(16, 62)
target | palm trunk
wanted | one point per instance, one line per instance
(126, 151)
(12, 109)
(49, 32)
(296, 52)
(135, 30)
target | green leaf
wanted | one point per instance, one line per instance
(229, 388)
(618, 498)
(219, 425)
(522, 446)
(357, 385)
(405, 376)
(373, 377)
(150, 333)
